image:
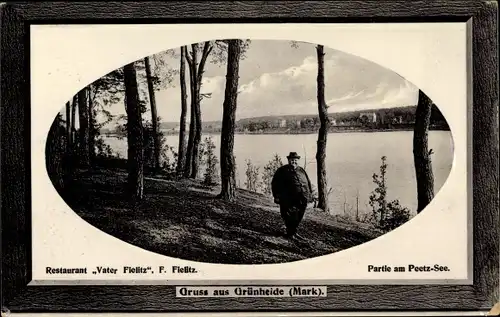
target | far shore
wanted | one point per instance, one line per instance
(281, 132)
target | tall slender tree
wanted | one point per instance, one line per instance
(227, 161)
(84, 127)
(322, 133)
(181, 158)
(421, 152)
(73, 119)
(154, 115)
(134, 134)
(192, 60)
(323, 130)
(196, 76)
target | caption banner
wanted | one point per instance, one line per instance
(251, 291)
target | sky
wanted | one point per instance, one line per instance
(278, 79)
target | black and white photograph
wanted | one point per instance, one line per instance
(271, 157)
(242, 151)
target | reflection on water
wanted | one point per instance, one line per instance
(352, 158)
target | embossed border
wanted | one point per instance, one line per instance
(482, 21)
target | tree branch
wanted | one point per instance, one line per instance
(206, 51)
(93, 92)
(205, 95)
(157, 61)
(188, 55)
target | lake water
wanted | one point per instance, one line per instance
(352, 158)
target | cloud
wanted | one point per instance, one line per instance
(349, 96)
(212, 84)
(351, 83)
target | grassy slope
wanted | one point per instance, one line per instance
(184, 220)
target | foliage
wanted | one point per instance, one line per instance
(209, 159)
(386, 215)
(397, 117)
(253, 182)
(397, 215)
(99, 107)
(103, 149)
(296, 44)
(162, 74)
(268, 173)
(219, 51)
(167, 162)
(110, 84)
(55, 151)
(168, 156)
(237, 174)
(110, 88)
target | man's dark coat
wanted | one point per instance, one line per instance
(293, 189)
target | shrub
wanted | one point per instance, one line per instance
(209, 159)
(252, 177)
(268, 173)
(103, 149)
(397, 216)
(386, 215)
(168, 157)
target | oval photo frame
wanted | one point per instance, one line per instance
(380, 123)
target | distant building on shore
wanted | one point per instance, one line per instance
(368, 116)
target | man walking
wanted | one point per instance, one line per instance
(292, 190)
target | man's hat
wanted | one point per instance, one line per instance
(293, 155)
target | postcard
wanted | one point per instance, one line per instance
(208, 166)
(168, 156)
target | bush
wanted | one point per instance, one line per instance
(167, 162)
(397, 216)
(209, 159)
(168, 157)
(386, 215)
(268, 173)
(252, 177)
(104, 150)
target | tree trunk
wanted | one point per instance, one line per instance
(84, 127)
(198, 76)
(181, 158)
(92, 126)
(73, 118)
(154, 116)
(197, 115)
(227, 162)
(134, 134)
(197, 134)
(357, 206)
(68, 127)
(54, 152)
(421, 152)
(192, 120)
(322, 134)
(72, 157)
